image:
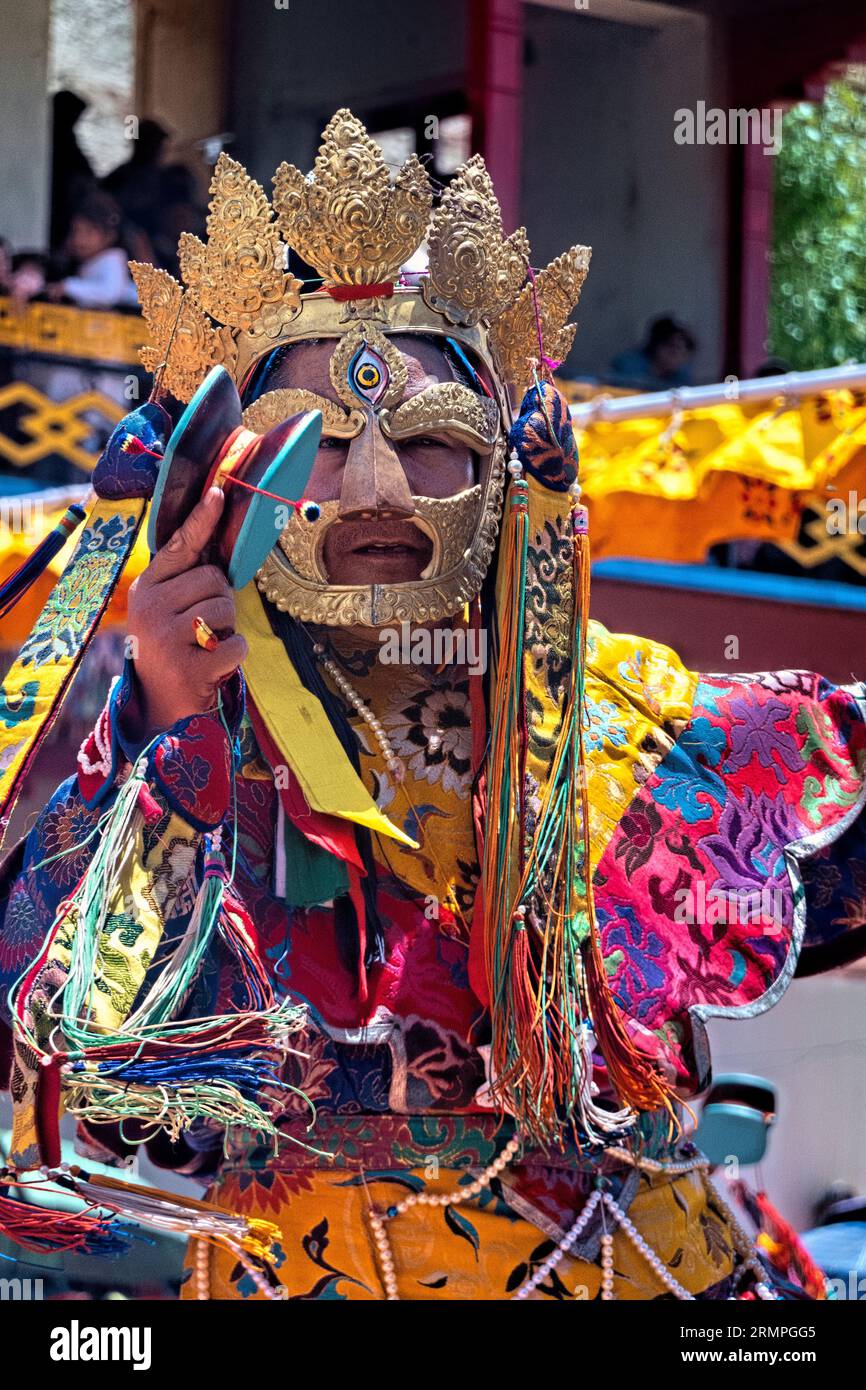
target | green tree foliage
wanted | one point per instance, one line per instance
(818, 286)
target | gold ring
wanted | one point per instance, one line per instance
(204, 635)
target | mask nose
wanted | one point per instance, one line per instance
(374, 482)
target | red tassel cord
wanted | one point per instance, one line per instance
(780, 1243)
(41, 1228)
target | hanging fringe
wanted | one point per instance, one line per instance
(225, 1070)
(237, 931)
(635, 1079)
(152, 1066)
(97, 1230)
(13, 589)
(178, 974)
(41, 1229)
(507, 965)
(549, 992)
(250, 1240)
(597, 1121)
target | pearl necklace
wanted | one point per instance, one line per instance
(201, 1267)
(655, 1262)
(610, 1208)
(431, 1199)
(378, 1219)
(655, 1165)
(394, 764)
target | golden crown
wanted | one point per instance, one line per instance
(357, 228)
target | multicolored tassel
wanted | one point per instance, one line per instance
(636, 1081)
(41, 1228)
(153, 1066)
(109, 1205)
(511, 998)
(549, 997)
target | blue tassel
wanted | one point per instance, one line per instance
(248, 1071)
(17, 585)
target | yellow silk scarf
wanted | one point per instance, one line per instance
(300, 728)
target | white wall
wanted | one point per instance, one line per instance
(813, 1046)
(24, 122)
(92, 51)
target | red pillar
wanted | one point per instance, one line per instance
(758, 171)
(495, 89)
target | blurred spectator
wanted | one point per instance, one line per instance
(136, 186)
(28, 276)
(661, 362)
(101, 279)
(181, 210)
(72, 177)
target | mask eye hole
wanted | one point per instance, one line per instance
(368, 374)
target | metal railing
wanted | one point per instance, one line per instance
(67, 375)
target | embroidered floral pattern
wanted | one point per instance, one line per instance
(66, 830)
(192, 769)
(695, 894)
(549, 605)
(431, 731)
(79, 593)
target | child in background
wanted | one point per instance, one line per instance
(101, 279)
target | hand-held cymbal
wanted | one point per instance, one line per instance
(261, 474)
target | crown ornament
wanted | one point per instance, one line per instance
(357, 227)
(184, 343)
(474, 270)
(237, 277)
(347, 219)
(537, 321)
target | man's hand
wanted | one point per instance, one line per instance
(176, 676)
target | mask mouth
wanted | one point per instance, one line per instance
(375, 551)
(393, 547)
(300, 577)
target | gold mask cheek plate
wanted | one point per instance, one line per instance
(303, 542)
(447, 408)
(463, 529)
(273, 407)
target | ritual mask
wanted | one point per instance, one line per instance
(477, 300)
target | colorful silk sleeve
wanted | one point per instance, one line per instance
(835, 884)
(189, 763)
(728, 821)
